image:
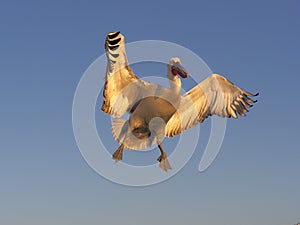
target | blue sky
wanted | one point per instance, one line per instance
(46, 47)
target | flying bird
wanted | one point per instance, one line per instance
(156, 111)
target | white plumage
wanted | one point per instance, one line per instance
(145, 101)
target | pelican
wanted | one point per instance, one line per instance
(156, 111)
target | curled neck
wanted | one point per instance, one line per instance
(175, 83)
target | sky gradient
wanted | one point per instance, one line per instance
(46, 47)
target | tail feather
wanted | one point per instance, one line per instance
(121, 132)
(119, 129)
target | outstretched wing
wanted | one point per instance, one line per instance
(214, 96)
(122, 87)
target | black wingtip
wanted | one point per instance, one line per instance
(114, 55)
(114, 35)
(114, 42)
(112, 48)
(257, 94)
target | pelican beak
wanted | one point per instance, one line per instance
(180, 70)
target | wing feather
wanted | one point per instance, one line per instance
(122, 88)
(216, 95)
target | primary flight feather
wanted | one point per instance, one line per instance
(156, 111)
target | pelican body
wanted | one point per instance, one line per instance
(157, 111)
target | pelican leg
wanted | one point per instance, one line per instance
(162, 159)
(118, 154)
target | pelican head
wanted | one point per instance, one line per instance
(176, 68)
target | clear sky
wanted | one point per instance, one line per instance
(47, 45)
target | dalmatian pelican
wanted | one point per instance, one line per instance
(156, 111)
